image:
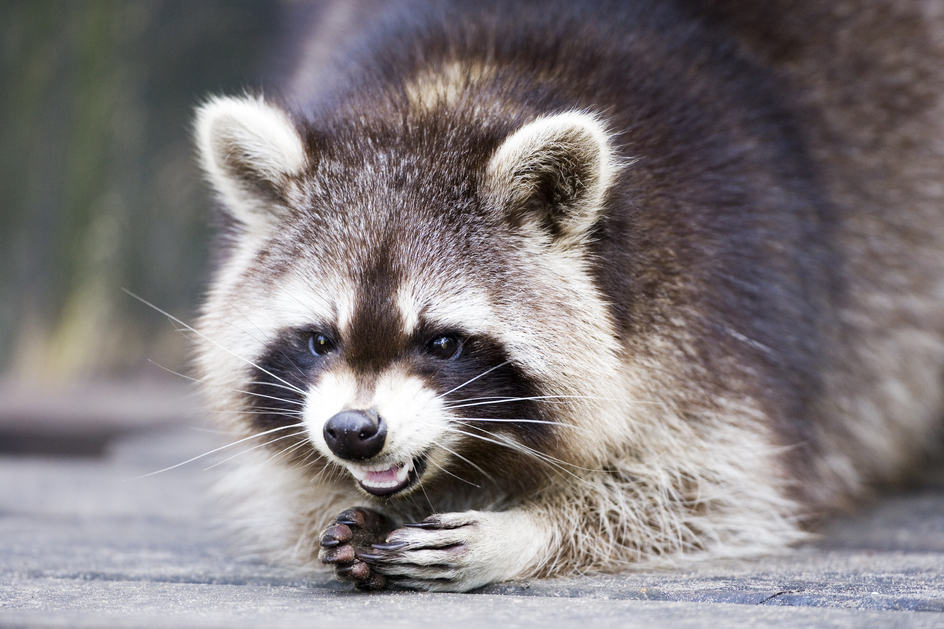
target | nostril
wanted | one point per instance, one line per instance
(355, 435)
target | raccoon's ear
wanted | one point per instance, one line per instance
(553, 174)
(249, 150)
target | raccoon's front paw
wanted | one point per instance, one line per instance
(457, 552)
(353, 534)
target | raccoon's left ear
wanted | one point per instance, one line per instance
(249, 150)
(553, 174)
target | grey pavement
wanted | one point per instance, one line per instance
(85, 541)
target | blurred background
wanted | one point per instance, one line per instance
(98, 185)
(99, 191)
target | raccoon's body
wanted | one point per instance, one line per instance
(525, 290)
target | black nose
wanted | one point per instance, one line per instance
(355, 435)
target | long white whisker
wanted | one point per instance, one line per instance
(445, 471)
(471, 380)
(539, 398)
(484, 397)
(309, 461)
(286, 451)
(255, 447)
(213, 451)
(259, 382)
(210, 431)
(512, 421)
(459, 456)
(555, 463)
(273, 384)
(428, 501)
(176, 373)
(261, 410)
(270, 397)
(204, 336)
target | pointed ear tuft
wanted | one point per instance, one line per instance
(249, 151)
(553, 174)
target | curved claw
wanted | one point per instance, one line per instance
(390, 546)
(351, 517)
(430, 526)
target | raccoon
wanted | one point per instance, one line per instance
(514, 290)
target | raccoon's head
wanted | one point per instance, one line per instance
(408, 304)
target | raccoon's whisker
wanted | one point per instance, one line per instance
(514, 421)
(255, 447)
(429, 501)
(539, 398)
(270, 397)
(336, 474)
(260, 410)
(280, 453)
(309, 461)
(445, 471)
(199, 381)
(329, 470)
(285, 451)
(210, 431)
(506, 443)
(425, 495)
(208, 339)
(273, 384)
(322, 473)
(471, 380)
(215, 450)
(178, 374)
(514, 445)
(459, 456)
(485, 402)
(551, 462)
(483, 397)
(267, 337)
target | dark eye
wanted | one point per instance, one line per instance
(445, 347)
(320, 345)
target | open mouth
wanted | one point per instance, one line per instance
(385, 479)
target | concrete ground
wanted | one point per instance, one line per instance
(86, 542)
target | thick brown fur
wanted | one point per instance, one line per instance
(695, 249)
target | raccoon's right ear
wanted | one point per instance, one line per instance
(552, 175)
(250, 150)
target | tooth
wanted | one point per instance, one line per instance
(362, 472)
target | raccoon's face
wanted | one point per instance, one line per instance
(400, 310)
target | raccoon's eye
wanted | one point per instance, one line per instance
(445, 347)
(320, 345)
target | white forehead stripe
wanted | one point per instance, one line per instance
(464, 307)
(296, 301)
